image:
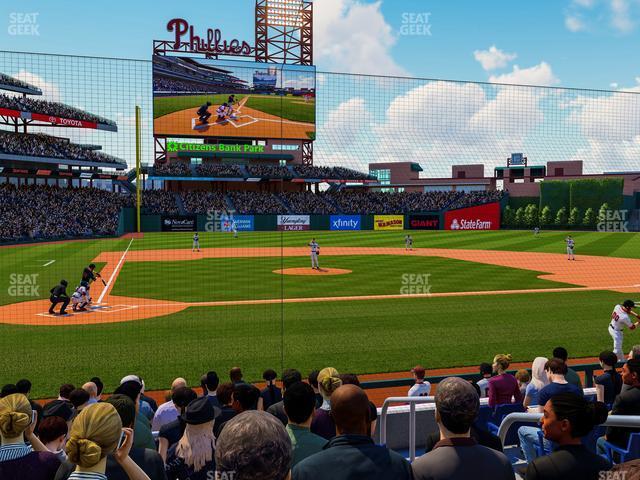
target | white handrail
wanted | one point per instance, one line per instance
(412, 401)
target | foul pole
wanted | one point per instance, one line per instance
(138, 157)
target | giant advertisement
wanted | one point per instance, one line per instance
(424, 222)
(195, 97)
(345, 222)
(388, 222)
(482, 217)
(294, 222)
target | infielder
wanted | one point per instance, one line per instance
(408, 243)
(315, 251)
(570, 246)
(619, 320)
(196, 242)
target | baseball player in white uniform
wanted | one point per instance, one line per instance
(570, 246)
(196, 242)
(80, 298)
(315, 251)
(619, 320)
(234, 229)
(408, 243)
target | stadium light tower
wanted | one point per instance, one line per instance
(284, 32)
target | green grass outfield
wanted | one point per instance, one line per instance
(360, 337)
(287, 107)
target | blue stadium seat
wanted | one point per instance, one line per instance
(632, 452)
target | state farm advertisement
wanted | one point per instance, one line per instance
(294, 222)
(482, 217)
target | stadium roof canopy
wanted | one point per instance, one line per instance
(14, 85)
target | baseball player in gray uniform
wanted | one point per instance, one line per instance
(315, 251)
(196, 242)
(570, 246)
(408, 243)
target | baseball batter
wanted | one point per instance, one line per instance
(196, 242)
(408, 243)
(619, 320)
(315, 251)
(570, 246)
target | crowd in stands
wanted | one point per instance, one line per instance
(203, 202)
(269, 171)
(41, 145)
(311, 171)
(159, 202)
(43, 212)
(219, 170)
(476, 198)
(320, 427)
(161, 84)
(310, 203)
(172, 169)
(28, 104)
(7, 80)
(256, 203)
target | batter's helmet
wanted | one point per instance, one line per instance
(629, 304)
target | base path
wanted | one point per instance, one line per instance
(588, 273)
(310, 271)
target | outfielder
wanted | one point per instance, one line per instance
(315, 251)
(408, 243)
(570, 246)
(619, 320)
(196, 242)
(234, 229)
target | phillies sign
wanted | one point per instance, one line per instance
(210, 43)
(482, 217)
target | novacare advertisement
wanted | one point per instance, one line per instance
(294, 222)
(482, 217)
(345, 222)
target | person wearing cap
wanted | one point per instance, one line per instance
(323, 423)
(457, 456)
(421, 388)
(253, 446)
(167, 412)
(619, 320)
(59, 408)
(59, 295)
(352, 453)
(146, 403)
(143, 438)
(172, 432)
(193, 456)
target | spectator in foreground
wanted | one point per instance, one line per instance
(539, 380)
(627, 403)
(289, 377)
(8, 389)
(23, 386)
(148, 460)
(313, 381)
(566, 419)
(95, 434)
(172, 432)
(18, 460)
(299, 405)
(421, 388)
(245, 397)
(235, 375)
(254, 446)
(79, 398)
(457, 456)
(53, 434)
(503, 388)
(224, 392)
(523, 378)
(209, 383)
(167, 412)
(143, 437)
(556, 370)
(486, 371)
(192, 457)
(99, 386)
(270, 394)
(92, 389)
(609, 384)
(352, 379)
(323, 423)
(352, 453)
(65, 390)
(571, 376)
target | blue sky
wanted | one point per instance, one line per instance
(583, 43)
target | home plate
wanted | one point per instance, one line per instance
(196, 125)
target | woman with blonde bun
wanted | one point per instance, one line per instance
(503, 388)
(322, 424)
(96, 432)
(18, 460)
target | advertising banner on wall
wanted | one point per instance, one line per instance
(178, 223)
(388, 222)
(243, 223)
(424, 222)
(482, 217)
(345, 222)
(294, 222)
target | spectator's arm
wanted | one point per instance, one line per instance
(163, 447)
(492, 395)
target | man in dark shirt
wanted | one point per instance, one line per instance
(245, 397)
(352, 454)
(627, 403)
(610, 379)
(88, 274)
(289, 377)
(203, 112)
(59, 295)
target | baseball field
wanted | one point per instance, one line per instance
(456, 300)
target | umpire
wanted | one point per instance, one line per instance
(59, 295)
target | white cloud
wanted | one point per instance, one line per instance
(540, 74)
(353, 37)
(50, 91)
(493, 58)
(584, 3)
(613, 85)
(621, 17)
(574, 24)
(340, 123)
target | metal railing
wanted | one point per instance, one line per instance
(412, 401)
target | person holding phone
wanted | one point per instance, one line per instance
(95, 433)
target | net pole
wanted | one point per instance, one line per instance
(138, 155)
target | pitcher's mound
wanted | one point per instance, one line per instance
(310, 271)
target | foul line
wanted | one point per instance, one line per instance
(114, 274)
(48, 263)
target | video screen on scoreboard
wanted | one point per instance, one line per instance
(195, 97)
